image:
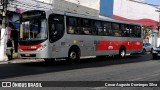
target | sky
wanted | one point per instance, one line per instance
(155, 2)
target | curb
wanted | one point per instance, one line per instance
(21, 61)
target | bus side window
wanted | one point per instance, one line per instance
(99, 28)
(78, 29)
(125, 30)
(71, 25)
(138, 29)
(93, 28)
(107, 29)
(116, 29)
(133, 31)
(86, 30)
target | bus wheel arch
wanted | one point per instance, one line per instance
(122, 51)
(74, 53)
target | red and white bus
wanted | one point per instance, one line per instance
(54, 34)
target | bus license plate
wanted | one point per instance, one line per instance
(27, 55)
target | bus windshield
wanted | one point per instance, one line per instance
(33, 29)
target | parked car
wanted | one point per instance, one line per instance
(156, 52)
(147, 47)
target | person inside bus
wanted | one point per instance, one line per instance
(78, 30)
(117, 33)
(53, 31)
(94, 32)
(70, 29)
(125, 32)
(86, 31)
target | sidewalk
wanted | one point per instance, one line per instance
(17, 60)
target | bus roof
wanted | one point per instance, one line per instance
(102, 18)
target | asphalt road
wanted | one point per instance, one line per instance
(139, 67)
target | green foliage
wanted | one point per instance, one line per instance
(147, 31)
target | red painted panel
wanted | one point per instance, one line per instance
(115, 45)
(31, 47)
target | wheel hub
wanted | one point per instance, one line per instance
(123, 53)
(73, 55)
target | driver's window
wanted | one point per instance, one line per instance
(53, 29)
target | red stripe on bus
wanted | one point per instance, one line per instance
(115, 45)
(31, 47)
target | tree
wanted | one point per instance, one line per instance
(147, 31)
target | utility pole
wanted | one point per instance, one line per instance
(158, 23)
(158, 26)
(3, 56)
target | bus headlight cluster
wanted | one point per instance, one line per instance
(42, 46)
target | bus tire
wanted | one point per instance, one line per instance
(122, 52)
(74, 55)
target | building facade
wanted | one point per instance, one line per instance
(133, 11)
(89, 7)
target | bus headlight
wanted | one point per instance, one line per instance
(42, 47)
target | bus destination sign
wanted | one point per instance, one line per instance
(27, 15)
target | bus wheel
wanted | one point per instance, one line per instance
(74, 56)
(122, 52)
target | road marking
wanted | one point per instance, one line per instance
(21, 61)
